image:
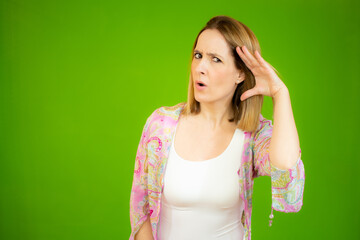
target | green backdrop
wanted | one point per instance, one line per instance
(79, 78)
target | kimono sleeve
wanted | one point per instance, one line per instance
(287, 185)
(139, 200)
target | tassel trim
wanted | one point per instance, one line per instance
(271, 217)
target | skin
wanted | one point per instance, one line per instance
(206, 135)
(221, 79)
(220, 76)
(284, 148)
(145, 232)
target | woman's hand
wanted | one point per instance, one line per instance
(267, 81)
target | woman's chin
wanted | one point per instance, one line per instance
(201, 99)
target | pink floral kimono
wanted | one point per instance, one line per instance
(287, 185)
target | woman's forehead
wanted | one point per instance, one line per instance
(212, 42)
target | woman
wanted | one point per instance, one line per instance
(196, 161)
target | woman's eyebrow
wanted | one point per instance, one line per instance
(209, 53)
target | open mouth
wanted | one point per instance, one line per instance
(200, 84)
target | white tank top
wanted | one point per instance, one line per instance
(201, 199)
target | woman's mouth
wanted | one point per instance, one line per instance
(200, 86)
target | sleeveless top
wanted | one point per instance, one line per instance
(201, 199)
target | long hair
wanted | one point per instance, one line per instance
(247, 112)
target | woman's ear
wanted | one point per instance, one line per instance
(241, 77)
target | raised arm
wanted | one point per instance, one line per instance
(284, 146)
(277, 151)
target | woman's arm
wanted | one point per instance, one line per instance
(284, 146)
(145, 232)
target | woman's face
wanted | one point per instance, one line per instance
(214, 66)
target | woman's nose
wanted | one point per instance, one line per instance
(201, 66)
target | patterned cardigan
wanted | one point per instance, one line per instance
(287, 185)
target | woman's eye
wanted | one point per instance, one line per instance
(218, 60)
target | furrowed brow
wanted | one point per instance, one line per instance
(209, 53)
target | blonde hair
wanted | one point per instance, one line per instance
(247, 112)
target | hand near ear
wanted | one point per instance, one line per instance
(267, 81)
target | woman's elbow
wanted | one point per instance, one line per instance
(145, 232)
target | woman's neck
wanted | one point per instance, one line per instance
(215, 115)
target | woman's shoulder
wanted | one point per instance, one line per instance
(166, 113)
(265, 126)
(175, 109)
(264, 120)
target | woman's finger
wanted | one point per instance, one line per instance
(251, 59)
(243, 57)
(260, 59)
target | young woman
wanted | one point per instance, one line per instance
(197, 160)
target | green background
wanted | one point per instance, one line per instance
(79, 78)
